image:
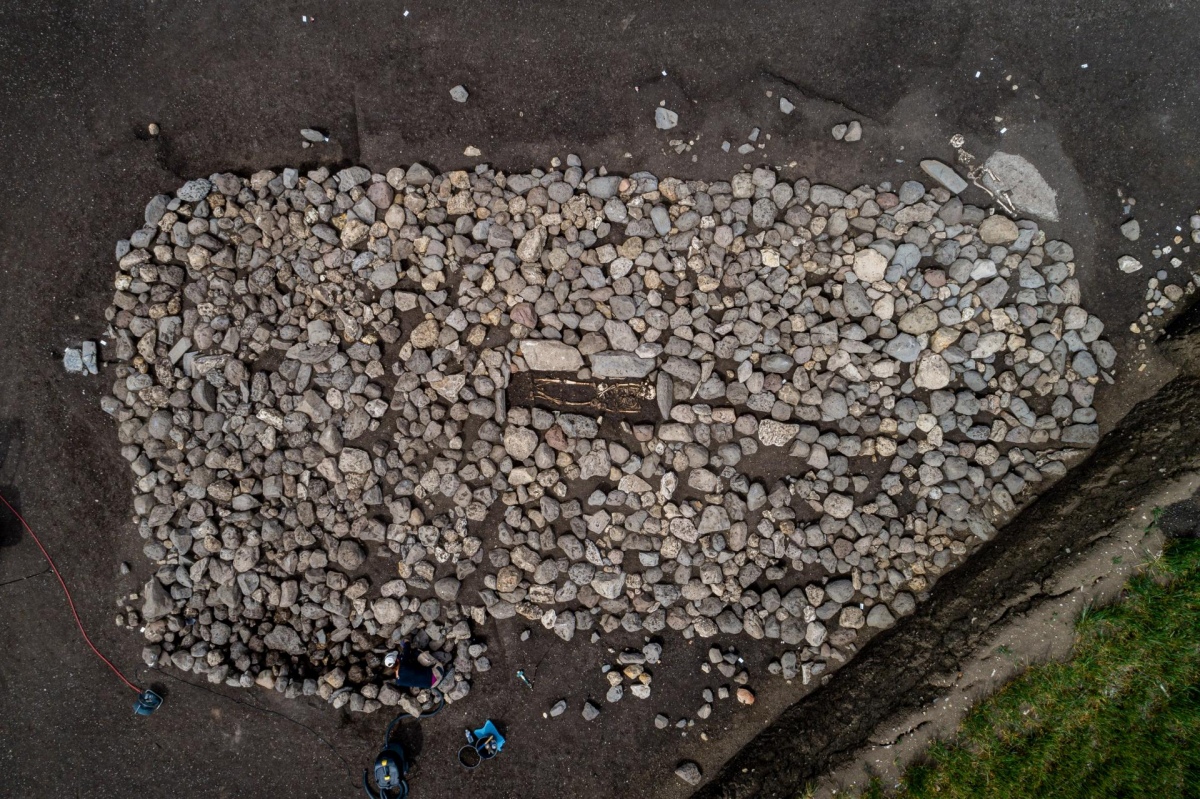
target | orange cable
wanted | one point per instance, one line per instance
(67, 592)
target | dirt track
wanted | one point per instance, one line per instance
(232, 85)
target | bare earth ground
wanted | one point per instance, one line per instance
(231, 85)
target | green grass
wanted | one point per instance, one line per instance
(1120, 719)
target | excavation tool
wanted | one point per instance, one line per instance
(390, 769)
(482, 744)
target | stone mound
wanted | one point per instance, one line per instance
(758, 407)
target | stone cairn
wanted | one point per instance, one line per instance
(752, 407)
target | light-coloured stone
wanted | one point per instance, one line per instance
(870, 265)
(932, 372)
(551, 356)
(998, 229)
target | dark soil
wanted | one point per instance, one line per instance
(231, 84)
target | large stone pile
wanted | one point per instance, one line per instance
(854, 388)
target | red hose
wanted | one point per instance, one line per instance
(67, 592)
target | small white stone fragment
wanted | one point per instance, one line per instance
(1128, 264)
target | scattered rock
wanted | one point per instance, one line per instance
(689, 772)
(1128, 264)
(156, 601)
(880, 617)
(73, 360)
(459, 94)
(665, 118)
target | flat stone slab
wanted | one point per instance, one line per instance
(621, 365)
(551, 356)
(1030, 193)
(945, 175)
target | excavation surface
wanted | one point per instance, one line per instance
(231, 89)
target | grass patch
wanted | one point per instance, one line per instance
(1120, 719)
